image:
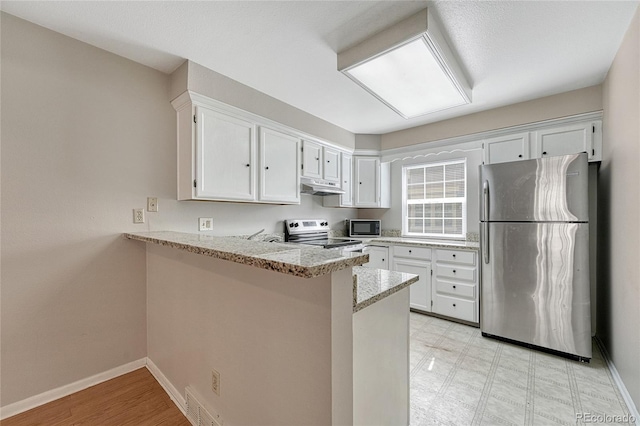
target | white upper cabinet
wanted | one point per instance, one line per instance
(565, 139)
(331, 164)
(312, 159)
(221, 157)
(346, 199)
(372, 184)
(279, 165)
(569, 139)
(367, 174)
(346, 183)
(320, 162)
(225, 152)
(506, 148)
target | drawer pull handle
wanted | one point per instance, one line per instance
(454, 286)
(409, 251)
(454, 271)
(383, 260)
(454, 255)
(454, 305)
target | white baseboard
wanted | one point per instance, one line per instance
(173, 393)
(633, 410)
(62, 391)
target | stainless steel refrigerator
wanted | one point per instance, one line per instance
(534, 251)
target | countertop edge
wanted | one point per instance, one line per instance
(358, 306)
(413, 243)
(256, 261)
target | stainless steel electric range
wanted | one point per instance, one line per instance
(315, 232)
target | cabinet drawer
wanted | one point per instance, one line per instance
(456, 289)
(457, 256)
(456, 272)
(412, 252)
(455, 308)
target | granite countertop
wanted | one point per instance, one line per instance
(372, 285)
(305, 262)
(417, 242)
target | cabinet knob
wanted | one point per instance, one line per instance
(409, 251)
(454, 255)
(519, 155)
(454, 271)
(383, 260)
(360, 183)
(454, 305)
(317, 158)
(328, 161)
(454, 286)
(544, 153)
(266, 168)
(248, 165)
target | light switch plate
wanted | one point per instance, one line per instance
(205, 224)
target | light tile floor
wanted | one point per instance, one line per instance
(459, 377)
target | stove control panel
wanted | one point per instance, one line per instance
(297, 226)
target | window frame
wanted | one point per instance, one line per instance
(405, 203)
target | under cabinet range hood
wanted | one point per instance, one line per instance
(319, 187)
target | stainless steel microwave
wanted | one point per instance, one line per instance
(364, 228)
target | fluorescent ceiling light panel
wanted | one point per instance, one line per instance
(415, 73)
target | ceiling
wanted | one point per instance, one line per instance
(511, 51)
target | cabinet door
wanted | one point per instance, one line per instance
(506, 148)
(331, 164)
(419, 292)
(312, 160)
(279, 166)
(378, 257)
(225, 156)
(563, 140)
(346, 199)
(367, 182)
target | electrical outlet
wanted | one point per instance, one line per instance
(215, 382)
(138, 215)
(205, 224)
(152, 204)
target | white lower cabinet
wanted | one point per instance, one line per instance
(417, 261)
(378, 257)
(455, 289)
(448, 283)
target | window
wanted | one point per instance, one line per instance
(434, 199)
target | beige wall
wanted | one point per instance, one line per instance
(86, 137)
(556, 106)
(268, 334)
(619, 235)
(217, 86)
(368, 142)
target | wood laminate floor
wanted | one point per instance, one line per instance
(135, 398)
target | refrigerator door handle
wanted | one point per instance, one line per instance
(485, 223)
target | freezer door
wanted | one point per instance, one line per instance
(550, 189)
(535, 286)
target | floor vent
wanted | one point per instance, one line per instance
(196, 413)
